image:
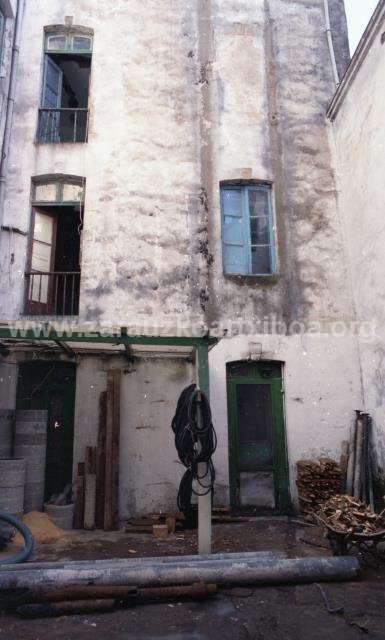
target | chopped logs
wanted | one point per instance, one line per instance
(346, 514)
(317, 481)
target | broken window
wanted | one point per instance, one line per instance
(247, 229)
(53, 268)
(63, 115)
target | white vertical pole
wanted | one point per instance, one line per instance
(204, 501)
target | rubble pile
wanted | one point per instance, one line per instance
(317, 481)
(346, 514)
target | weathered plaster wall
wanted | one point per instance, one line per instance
(8, 8)
(359, 137)
(149, 468)
(320, 386)
(185, 94)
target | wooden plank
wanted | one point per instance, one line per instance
(79, 499)
(101, 462)
(111, 498)
(90, 489)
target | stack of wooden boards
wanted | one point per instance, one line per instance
(346, 514)
(356, 460)
(317, 481)
(97, 482)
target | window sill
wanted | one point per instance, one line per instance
(251, 278)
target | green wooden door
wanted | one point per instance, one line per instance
(257, 442)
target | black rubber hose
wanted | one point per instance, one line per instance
(24, 554)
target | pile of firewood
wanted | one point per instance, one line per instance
(346, 514)
(317, 481)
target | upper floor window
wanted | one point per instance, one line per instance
(63, 114)
(53, 267)
(247, 229)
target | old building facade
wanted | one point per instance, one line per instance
(171, 171)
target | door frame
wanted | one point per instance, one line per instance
(260, 372)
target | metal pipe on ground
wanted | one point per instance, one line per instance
(258, 571)
(122, 594)
(131, 562)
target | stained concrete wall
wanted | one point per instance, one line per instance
(359, 138)
(150, 471)
(185, 94)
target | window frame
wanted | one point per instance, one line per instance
(244, 188)
(69, 34)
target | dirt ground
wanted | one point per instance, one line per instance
(274, 613)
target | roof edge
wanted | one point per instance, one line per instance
(357, 60)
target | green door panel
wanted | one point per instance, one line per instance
(257, 438)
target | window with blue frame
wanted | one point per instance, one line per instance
(247, 230)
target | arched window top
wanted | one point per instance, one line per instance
(58, 189)
(63, 39)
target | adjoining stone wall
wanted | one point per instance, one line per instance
(359, 138)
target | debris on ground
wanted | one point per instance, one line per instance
(42, 528)
(317, 481)
(346, 514)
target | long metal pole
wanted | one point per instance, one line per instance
(260, 571)
(204, 501)
(132, 562)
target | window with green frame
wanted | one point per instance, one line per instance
(248, 242)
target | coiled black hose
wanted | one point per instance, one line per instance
(24, 554)
(196, 442)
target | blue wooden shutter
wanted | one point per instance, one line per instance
(52, 85)
(49, 124)
(235, 247)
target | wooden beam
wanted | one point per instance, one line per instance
(111, 498)
(90, 489)
(79, 499)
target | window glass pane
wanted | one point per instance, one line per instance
(258, 202)
(232, 202)
(57, 43)
(41, 256)
(254, 413)
(43, 228)
(233, 230)
(234, 259)
(260, 233)
(72, 193)
(81, 43)
(45, 192)
(261, 260)
(38, 289)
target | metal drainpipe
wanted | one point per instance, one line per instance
(331, 45)
(10, 103)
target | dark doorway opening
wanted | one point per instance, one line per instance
(51, 386)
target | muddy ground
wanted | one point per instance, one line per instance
(274, 613)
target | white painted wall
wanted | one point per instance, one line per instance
(184, 94)
(359, 137)
(150, 471)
